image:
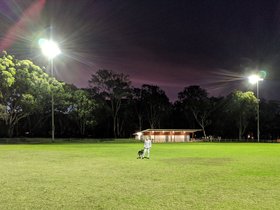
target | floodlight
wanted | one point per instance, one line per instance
(253, 79)
(49, 48)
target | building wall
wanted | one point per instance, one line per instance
(159, 138)
(167, 138)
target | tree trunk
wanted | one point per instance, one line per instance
(115, 126)
(82, 128)
(204, 133)
(240, 129)
(10, 131)
(140, 122)
(118, 127)
(201, 122)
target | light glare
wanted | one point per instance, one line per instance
(253, 79)
(49, 48)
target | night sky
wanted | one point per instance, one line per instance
(170, 43)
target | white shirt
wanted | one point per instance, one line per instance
(147, 143)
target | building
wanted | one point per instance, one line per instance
(167, 135)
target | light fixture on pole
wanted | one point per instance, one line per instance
(254, 79)
(50, 49)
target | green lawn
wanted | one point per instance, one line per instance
(108, 176)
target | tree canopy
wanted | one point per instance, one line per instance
(112, 88)
(112, 107)
(24, 88)
(242, 106)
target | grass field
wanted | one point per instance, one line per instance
(108, 176)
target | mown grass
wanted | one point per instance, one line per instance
(108, 176)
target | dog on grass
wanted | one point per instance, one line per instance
(140, 153)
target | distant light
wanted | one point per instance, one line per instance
(253, 79)
(49, 48)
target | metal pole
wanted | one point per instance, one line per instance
(53, 127)
(258, 113)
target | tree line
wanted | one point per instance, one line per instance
(112, 107)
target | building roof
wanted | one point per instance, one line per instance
(170, 130)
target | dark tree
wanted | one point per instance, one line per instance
(269, 119)
(81, 108)
(138, 104)
(112, 88)
(157, 105)
(196, 100)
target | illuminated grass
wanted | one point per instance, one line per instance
(108, 176)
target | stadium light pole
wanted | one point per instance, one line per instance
(254, 79)
(50, 49)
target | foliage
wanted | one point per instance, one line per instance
(81, 110)
(156, 104)
(7, 71)
(242, 106)
(111, 107)
(138, 104)
(112, 88)
(195, 99)
(269, 119)
(24, 89)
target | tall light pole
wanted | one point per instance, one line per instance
(50, 49)
(254, 79)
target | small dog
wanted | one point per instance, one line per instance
(140, 153)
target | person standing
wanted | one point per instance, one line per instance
(147, 147)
